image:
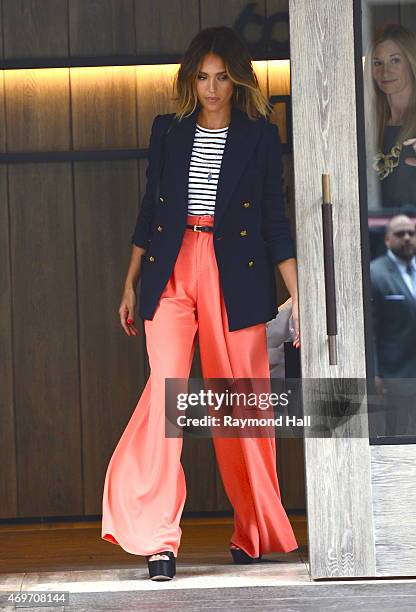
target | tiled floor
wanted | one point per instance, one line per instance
(281, 582)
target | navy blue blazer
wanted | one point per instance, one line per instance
(251, 232)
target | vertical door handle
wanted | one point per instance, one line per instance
(329, 270)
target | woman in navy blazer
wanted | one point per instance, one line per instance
(251, 231)
(215, 278)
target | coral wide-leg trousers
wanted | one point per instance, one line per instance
(144, 489)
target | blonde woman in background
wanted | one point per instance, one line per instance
(390, 106)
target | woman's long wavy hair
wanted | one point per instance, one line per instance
(376, 106)
(225, 43)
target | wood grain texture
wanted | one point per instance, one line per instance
(393, 477)
(37, 554)
(337, 470)
(260, 68)
(37, 109)
(101, 27)
(8, 490)
(279, 77)
(103, 107)
(35, 28)
(2, 114)
(202, 477)
(154, 97)
(111, 363)
(165, 27)
(44, 293)
(97, 108)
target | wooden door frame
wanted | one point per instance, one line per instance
(338, 470)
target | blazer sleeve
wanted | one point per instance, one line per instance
(142, 229)
(275, 224)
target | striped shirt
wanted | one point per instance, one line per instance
(204, 169)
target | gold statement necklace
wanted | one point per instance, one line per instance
(384, 164)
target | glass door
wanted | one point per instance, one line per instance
(388, 116)
(358, 331)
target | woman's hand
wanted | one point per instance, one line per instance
(295, 317)
(288, 270)
(410, 161)
(126, 312)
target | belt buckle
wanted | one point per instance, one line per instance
(196, 228)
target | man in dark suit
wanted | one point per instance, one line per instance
(393, 278)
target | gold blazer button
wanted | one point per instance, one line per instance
(151, 258)
(243, 233)
(161, 199)
(250, 263)
(246, 204)
(160, 228)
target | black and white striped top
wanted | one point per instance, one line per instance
(204, 169)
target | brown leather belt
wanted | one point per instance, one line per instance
(201, 228)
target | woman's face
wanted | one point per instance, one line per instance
(391, 69)
(214, 88)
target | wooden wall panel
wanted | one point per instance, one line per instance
(279, 84)
(93, 108)
(37, 109)
(154, 97)
(2, 108)
(165, 27)
(203, 483)
(279, 77)
(260, 68)
(219, 13)
(45, 340)
(101, 27)
(8, 490)
(291, 473)
(103, 107)
(111, 363)
(2, 113)
(35, 28)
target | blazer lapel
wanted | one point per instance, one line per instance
(397, 279)
(242, 137)
(181, 139)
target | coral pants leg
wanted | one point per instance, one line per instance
(144, 488)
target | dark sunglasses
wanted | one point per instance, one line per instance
(402, 233)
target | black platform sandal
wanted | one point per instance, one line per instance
(242, 558)
(162, 569)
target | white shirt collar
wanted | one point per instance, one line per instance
(401, 263)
